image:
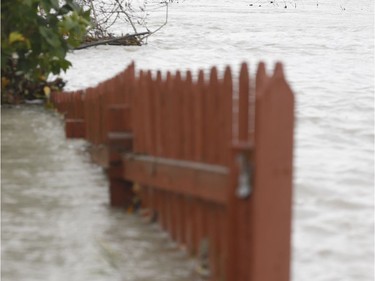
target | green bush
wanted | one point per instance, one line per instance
(36, 36)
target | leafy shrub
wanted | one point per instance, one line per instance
(36, 36)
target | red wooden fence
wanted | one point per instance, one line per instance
(214, 165)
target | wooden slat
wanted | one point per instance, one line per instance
(228, 114)
(239, 229)
(203, 181)
(149, 112)
(198, 94)
(158, 107)
(212, 126)
(273, 181)
(177, 122)
(168, 117)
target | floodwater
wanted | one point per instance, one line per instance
(56, 222)
(328, 53)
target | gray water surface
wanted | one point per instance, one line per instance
(56, 222)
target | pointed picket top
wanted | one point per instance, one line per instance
(275, 85)
(178, 77)
(189, 77)
(213, 75)
(198, 93)
(149, 75)
(244, 72)
(140, 84)
(178, 81)
(228, 90)
(137, 114)
(168, 83)
(149, 82)
(227, 75)
(158, 114)
(261, 78)
(273, 175)
(243, 107)
(201, 77)
(279, 84)
(150, 114)
(169, 86)
(244, 82)
(275, 93)
(169, 76)
(128, 72)
(188, 116)
(228, 103)
(211, 117)
(140, 77)
(178, 117)
(278, 71)
(131, 72)
(132, 65)
(167, 114)
(214, 84)
(158, 76)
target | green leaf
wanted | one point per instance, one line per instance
(46, 5)
(65, 64)
(49, 4)
(55, 4)
(86, 15)
(28, 2)
(40, 32)
(73, 5)
(68, 24)
(16, 36)
(65, 9)
(59, 53)
(50, 36)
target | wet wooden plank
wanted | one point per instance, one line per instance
(203, 181)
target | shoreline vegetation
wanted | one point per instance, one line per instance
(37, 35)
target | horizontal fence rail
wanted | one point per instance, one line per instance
(212, 165)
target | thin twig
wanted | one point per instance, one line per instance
(127, 15)
(94, 14)
(160, 27)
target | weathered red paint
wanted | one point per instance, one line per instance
(180, 140)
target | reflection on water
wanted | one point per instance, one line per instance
(56, 222)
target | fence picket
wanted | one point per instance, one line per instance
(208, 161)
(199, 92)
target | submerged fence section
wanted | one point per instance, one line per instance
(212, 165)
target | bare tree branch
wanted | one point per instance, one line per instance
(127, 15)
(106, 13)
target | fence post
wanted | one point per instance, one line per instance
(74, 122)
(119, 140)
(239, 196)
(260, 222)
(272, 199)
